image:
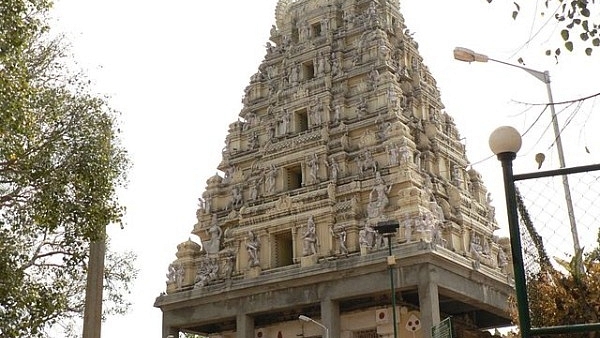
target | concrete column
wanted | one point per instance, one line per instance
(330, 317)
(429, 302)
(92, 313)
(170, 332)
(244, 326)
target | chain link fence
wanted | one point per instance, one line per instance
(559, 222)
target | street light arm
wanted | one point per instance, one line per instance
(542, 76)
(308, 319)
(468, 55)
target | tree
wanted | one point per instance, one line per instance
(577, 19)
(61, 164)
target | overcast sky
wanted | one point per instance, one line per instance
(177, 69)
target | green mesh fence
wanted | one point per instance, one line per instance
(563, 286)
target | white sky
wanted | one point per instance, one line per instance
(177, 69)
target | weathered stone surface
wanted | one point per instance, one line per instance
(342, 127)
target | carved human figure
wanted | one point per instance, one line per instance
(179, 275)
(502, 260)
(214, 232)
(310, 238)
(253, 141)
(200, 204)
(374, 78)
(172, 273)
(379, 192)
(370, 236)
(320, 64)
(237, 197)
(228, 267)
(393, 154)
(270, 180)
(369, 162)
(407, 228)
(285, 122)
(362, 107)
(315, 111)
(294, 75)
(337, 112)
(456, 176)
(335, 65)
(339, 232)
(491, 209)
(405, 156)
(271, 130)
(334, 169)
(313, 164)
(207, 271)
(253, 247)
(253, 189)
(207, 202)
(476, 250)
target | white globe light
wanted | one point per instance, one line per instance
(505, 139)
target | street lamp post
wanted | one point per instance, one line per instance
(505, 142)
(467, 55)
(308, 319)
(388, 229)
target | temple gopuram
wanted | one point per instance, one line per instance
(344, 195)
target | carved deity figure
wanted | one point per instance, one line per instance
(408, 228)
(393, 153)
(271, 177)
(313, 164)
(253, 247)
(214, 232)
(373, 78)
(476, 250)
(337, 112)
(339, 232)
(335, 65)
(334, 169)
(310, 238)
(379, 192)
(361, 109)
(175, 274)
(285, 122)
(320, 63)
(405, 156)
(238, 199)
(502, 260)
(367, 236)
(491, 209)
(208, 271)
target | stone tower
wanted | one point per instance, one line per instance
(342, 129)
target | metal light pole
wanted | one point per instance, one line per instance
(467, 55)
(308, 319)
(388, 229)
(505, 142)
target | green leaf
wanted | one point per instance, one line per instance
(569, 46)
(596, 42)
(588, 51)
(585, 12)
(564, 34)
(584, 36)
(548, 52)
(514, 15)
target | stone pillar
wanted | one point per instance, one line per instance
(170, 332)
(244, 326)
(429, 303)
(330, 316)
